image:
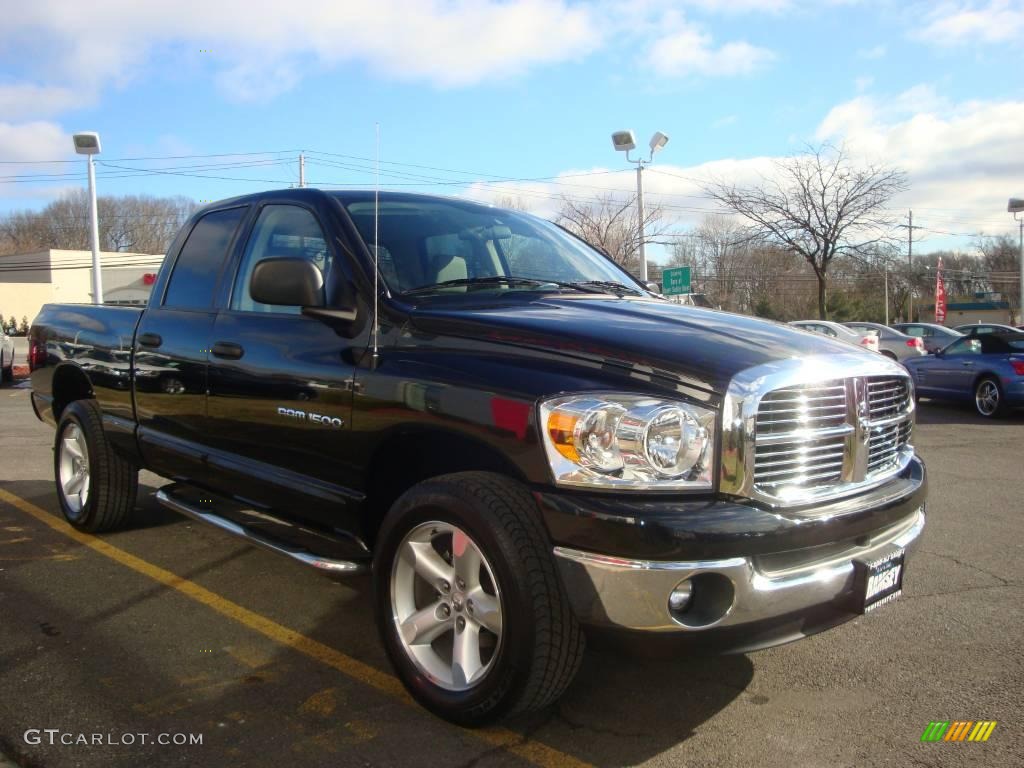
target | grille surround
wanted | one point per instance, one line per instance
(815, 429)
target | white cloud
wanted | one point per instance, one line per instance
(875, 52)
(739, 6)
(997, 21)
(863, 83)
(687, 49)
(32, 142)
(963, 157)
(22, 100)
(444, 43)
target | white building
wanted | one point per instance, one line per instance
(29, 280)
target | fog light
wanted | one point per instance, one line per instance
(679, 599)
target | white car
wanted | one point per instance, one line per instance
(868, 340)
(6, 357)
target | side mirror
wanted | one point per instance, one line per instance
(653, 287)
(287, 282)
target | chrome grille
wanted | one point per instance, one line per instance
(888, 396)
(814, 407)
(817, 440)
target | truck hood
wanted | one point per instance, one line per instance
(701, 348)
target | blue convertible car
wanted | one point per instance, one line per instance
(988, 368)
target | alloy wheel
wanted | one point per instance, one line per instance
(74, 468)
(446, 605)
(986, 397)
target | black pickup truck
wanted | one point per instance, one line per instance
(512, 434)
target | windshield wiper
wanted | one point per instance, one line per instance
(609, 286)
(492, 280)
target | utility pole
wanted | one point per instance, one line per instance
(910, 264)
(886, 294)
(640, 222)
(302, 170)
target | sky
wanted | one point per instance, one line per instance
(490, 98)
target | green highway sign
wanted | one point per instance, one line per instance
(675, 282)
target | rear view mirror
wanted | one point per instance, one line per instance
(287, 282)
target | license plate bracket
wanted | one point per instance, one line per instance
(878, 581)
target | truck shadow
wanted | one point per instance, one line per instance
(622, 709)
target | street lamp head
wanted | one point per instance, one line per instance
(623, 141)
(658, 141)
(87, 143)
(1016, 205)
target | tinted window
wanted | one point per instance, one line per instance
(968, 346)
(195, 272)
(281, 231)
(993, 345)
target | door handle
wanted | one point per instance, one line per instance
(150, 339)
(227, 350)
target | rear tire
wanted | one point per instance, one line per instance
(522, 657)
(96, 488)
(988, 398)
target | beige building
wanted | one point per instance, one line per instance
(29, 280)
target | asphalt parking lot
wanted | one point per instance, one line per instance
(175, 628)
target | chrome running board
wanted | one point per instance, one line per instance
(167, 497)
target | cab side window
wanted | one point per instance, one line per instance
(198, 266)
(281, 231)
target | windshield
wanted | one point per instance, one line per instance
(460, 247)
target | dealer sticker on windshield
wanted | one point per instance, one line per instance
(879, 581)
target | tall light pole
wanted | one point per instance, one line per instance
(625, 141)
(88, 144)
(1016, 206)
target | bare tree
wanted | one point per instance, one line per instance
(135, 223)
(818, 205)
(1001, 260)
(610, 223)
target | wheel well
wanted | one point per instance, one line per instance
(985, 375)
(405, 459)
(69, 384)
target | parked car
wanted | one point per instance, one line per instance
(6, 357)
(988, 368)
(892, 343)
(978, 328)
(499, 424)
(867, 339)
(934, 336)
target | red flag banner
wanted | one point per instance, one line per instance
(940, 295)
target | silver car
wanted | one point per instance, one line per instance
(6, 357)
(934, 336)
(892, 343)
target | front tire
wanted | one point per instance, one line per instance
(988, 398)
(96, 488)
(470, 608)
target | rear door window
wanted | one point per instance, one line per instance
(199, 264)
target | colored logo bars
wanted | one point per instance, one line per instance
(958, 730)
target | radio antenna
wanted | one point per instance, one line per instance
(376, 250)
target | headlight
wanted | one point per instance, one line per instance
(628, 441)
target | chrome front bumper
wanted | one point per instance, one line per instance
(633, 594)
